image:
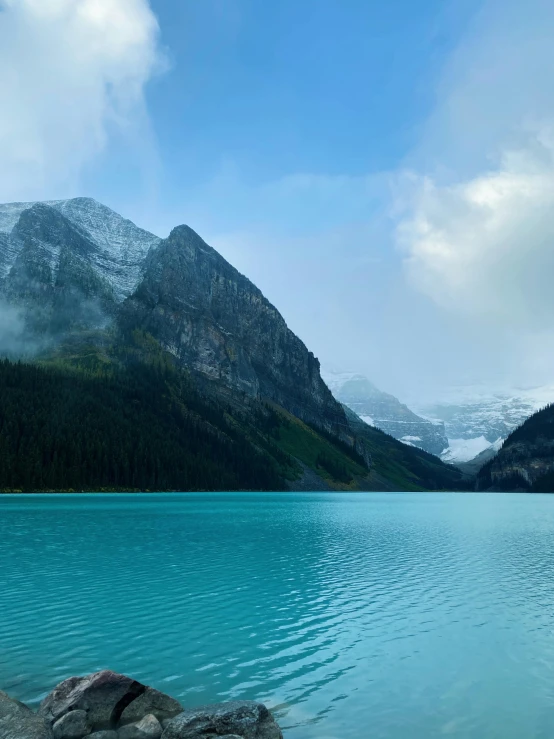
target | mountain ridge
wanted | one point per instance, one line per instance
(386, 412)
(79, 293)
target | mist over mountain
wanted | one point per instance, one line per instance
(467, 427)
(88, 291)
(386, 412)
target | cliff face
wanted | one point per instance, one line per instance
(111, 245)
(75, 265)
(70, 269)
(217, 323)
(526, 460)
(50, 275)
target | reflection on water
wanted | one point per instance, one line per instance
(368, 615)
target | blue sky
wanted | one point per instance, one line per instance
(262, 91)
(381, 170)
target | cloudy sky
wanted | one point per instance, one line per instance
(384, 172)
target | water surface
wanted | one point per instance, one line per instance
(370, 615)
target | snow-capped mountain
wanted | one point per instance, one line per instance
(71, 269)
(477, 420)
(386, 412)
(113, 246)
(468, 425)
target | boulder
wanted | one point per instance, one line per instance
(106, 734)
(247, 719)
(147, 728)
(17, 721)
(103, 695)
(72, 725)
(110, 700)
(152, 701)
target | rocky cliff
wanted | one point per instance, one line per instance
(75, 265)
(526, 459)
(217, 323)
(99, 298)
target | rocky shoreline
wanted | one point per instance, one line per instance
(108, 705)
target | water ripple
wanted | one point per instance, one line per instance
(352, 615)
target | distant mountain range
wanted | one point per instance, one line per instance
(467, 428)
(386, 412)
(477, 420)
(107, 311)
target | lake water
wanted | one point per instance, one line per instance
(384, 616)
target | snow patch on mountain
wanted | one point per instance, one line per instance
(120, 247)
(385, 412)
(462, 450)
(367, 419)
(473, 413)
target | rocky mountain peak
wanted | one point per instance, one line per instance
(75, 265)
(218, 323)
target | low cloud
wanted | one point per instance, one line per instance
(16, 341)
(475, 224)
(71, 71)
(484, 246)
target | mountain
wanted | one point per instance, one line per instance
(386, 412)
(111, 245)
(216, 322)
(477, 421)
(526, 460)
(98, 302)
(398, 466)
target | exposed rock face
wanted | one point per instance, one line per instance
(116, 248)
(245, 719)
(17, 721)
(105, 696)
(147, 728)
(94, 707)
(526, 460)
(72, 725)
(52, 279)
(153, 702)
(217, 323)
(386, 412)
(518, 466)
(72, 266)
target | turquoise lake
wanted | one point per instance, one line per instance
(383, 616)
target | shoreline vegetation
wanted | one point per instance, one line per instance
(108, 705)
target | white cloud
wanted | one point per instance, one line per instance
(485, 246)
(69, 71)
(477, 229)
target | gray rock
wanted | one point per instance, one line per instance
(246, 719)
(152, 701)
(17, 721)
(73, 725)
(218, 324)
(106, 734)
(103, 695)
(147, 728)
